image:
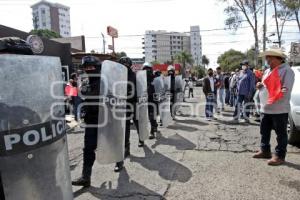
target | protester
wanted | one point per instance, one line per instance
(227, 88)
(191, 88)
(220, 90)
(245, 88)
(209, 89)
(275, 93)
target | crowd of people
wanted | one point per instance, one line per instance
(264, 94)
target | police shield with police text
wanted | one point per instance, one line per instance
(32, 130)
(112, 113)
(142, 105)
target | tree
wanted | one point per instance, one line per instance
(230, 60)
(184, 58)
(120, 54)
(201, 72)
(155, 62)
(250, 56)
(283, 13)
(45, 33)
(292, 6)
(239, 11)
(205, 61)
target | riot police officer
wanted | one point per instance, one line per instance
(153, 104)
(90, 87)
(130, 109)
(171, 73)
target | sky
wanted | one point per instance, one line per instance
(133, 17)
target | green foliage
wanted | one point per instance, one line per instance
(155, 63)
(184, 58)
(205, 60)
(120, 54)
(230, 60)
(201, 72)
(45, 33)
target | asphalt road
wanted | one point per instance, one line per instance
(192, 159)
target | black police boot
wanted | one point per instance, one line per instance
(82, 181)
(152, 133)
(127, 151)
(141, 143)
(119, 166)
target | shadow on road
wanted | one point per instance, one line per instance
(182, 127)
(125, 188)
(292, 165)
(179, 142)
(192, 122)
(167, 168)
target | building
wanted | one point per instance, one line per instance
(52, 16)
(196, 45)
(162, 46)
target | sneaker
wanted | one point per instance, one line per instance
(82, 181)
(208, 119)
(275, 161)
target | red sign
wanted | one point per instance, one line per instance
(111, 31)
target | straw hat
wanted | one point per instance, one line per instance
(273, 52)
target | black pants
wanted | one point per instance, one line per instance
(191, 91)
(129, 116)
(278, 122)
(153, 111)
(89, 155)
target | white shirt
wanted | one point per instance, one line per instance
(191, 85)
(212, 84)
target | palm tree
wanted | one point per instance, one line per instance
(205, 60)
(184, 58)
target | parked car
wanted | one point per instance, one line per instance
(199, 82)
(294, 116)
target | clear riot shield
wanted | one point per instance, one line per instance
(142, 105)
(34, 162)
(112, 113)
(159, 87)
(179, 89)
(164, 107)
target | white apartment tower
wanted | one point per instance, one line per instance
(162, 46)
(196, 45)
(52, 16)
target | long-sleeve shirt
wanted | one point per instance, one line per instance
(246, 83)
(287, 77)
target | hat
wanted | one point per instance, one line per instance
(273, 52)
(245, 62)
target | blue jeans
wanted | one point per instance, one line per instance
(221, 98)
(227, 96)
(239, 106)
(209, 107)
(278, 122)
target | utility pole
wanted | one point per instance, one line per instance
(265, 30)
(103, 43)
(265, 25)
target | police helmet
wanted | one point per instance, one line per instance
(125, 61)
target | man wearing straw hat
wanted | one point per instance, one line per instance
(275, 93)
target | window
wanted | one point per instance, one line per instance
(44, 24)
(43, 11)
(178, 37)
(178, 42)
